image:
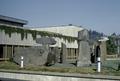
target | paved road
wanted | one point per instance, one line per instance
(5, 79)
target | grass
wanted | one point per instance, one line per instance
(82, 70)
(8, 65)
(113, 64)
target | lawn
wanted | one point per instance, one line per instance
(83, 70)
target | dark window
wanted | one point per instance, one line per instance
(1, 51)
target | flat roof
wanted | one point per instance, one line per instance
(11, 19)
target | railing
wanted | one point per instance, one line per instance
(2, 59)
(112, 56)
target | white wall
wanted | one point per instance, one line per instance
(64, 30)
(15, 39)
(68, 44)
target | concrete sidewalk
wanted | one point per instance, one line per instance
(54, 76)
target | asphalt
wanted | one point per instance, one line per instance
(6, 79)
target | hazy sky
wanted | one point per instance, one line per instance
(100, 15)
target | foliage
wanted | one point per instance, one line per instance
(94, 36)
(111, 47)
(24, 32)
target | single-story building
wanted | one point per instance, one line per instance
(14, 35)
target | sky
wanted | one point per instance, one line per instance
(100, 15)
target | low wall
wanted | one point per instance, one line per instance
(50, 76)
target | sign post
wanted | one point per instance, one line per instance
(21, 64)
(98, 64)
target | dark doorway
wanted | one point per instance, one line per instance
(97, 51)
(1, 51)
(92, 58)
(95, 54)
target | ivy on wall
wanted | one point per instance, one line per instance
(9, 30)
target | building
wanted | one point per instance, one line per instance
(9, 39)
(14, 35)
(5, 20)
(66, 30)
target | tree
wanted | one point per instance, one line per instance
(111, 47)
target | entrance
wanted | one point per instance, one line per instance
(95, 54)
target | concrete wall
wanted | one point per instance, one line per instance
(1, 37)
(15, 39)
(46, 76)
(68, 44)
(64, 30)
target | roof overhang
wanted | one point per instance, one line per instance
(11, 19)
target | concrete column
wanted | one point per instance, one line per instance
(118, 48)
(103, 51)
(84, 54)
(64, 53)
(12, 51)
(83, 49)
(5, 51)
